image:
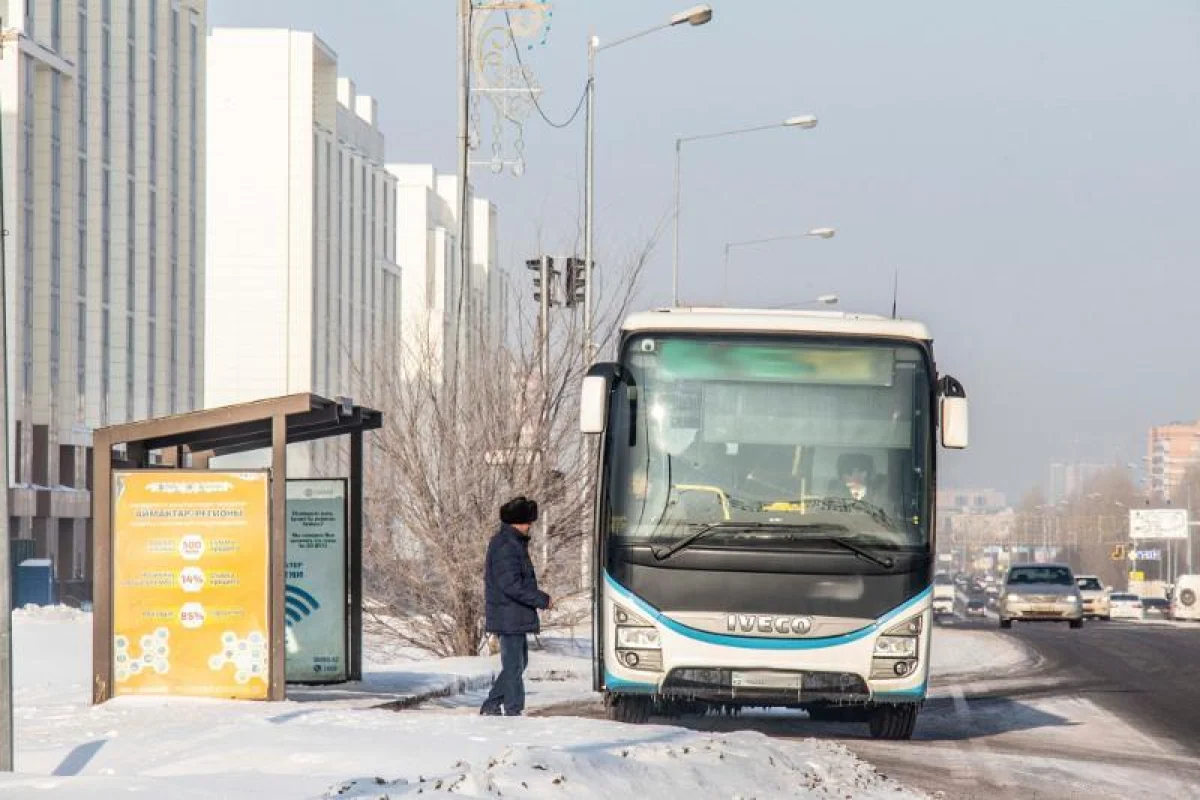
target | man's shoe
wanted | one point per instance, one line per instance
(489, 712)
(512, 713)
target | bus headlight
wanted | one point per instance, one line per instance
(897, 651)
(896, 646)
(638, 643)
(638, 638)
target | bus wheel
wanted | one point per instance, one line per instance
(894, 721)
(628, 708)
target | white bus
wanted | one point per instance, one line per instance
(764, 513)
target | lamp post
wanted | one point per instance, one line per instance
(804, 122)
(817, 233)
(696, 15)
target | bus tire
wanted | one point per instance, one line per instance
(1006, 623)
(630, 709)
(894, 721)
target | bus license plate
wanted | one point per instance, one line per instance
(767, 680)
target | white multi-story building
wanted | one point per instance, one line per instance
(303, 290)
(103, 127)
(428, 252)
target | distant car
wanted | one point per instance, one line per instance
(943, 594)
(976, 607)
(1157, 606)
(1123, 605)
(1093, 595)
(1041, 593)
(1185, 600)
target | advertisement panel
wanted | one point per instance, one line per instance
(1158, 523)
(316, 581)
(190, 583)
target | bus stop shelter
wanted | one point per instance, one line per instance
(189, 441)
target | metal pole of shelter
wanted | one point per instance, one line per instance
(102, 632)
(355, 578)
(277, 670)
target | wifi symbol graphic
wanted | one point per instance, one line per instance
(298, 604)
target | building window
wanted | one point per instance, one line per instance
(129, 371)
(151, 367)
(130, 249)
(81, 357)
(105, 365)
(56, 25)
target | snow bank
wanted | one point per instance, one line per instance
(673, 764)
(957, 652)
(311, 745)
(32, 613)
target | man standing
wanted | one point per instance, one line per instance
(512, 601)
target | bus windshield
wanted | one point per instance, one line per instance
(773, 440)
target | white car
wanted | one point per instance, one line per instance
(1125, 606)
(1094, 596)
(1185, 600)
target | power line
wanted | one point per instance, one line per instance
(512, 37)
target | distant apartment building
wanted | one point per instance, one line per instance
(429, 255)
(303, 288)
(1069, 478)
(972, 517)
(1172, 450)
(103, 122)
(971, 501)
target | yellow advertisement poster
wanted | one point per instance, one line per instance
(190, 583)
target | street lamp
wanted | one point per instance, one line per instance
(696, 15)
(815, 233)
(804, 122)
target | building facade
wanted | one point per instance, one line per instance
(303, 287)
(1172, 450)
(103, 125)
(1069, 478)
(428, 250)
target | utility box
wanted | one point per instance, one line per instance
(35, 583)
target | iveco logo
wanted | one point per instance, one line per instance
(765, 623)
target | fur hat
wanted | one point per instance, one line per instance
(519, 511)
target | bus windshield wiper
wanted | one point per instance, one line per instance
(887, 562)
(687, 541)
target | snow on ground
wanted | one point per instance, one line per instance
(316, 744)
(958, 651)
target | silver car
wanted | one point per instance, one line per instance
(1041, 592)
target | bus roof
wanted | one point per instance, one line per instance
(753, 320)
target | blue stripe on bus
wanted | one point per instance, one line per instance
(762, 643)
(613, 683)
(913, 695)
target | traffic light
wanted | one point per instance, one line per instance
(575, 281)
(541, 270)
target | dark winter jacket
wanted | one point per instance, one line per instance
(510, 586)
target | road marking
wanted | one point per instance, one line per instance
(977, 748)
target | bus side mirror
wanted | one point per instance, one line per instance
(593, 404)
(953, 414)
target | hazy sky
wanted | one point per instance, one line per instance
(1031, 169)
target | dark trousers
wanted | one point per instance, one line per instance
(509, 687)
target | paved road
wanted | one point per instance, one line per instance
(1147, 673)
(1110, 711)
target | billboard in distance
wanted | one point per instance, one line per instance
(190, 577)
(1158, 523)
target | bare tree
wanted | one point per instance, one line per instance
(465, 429)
